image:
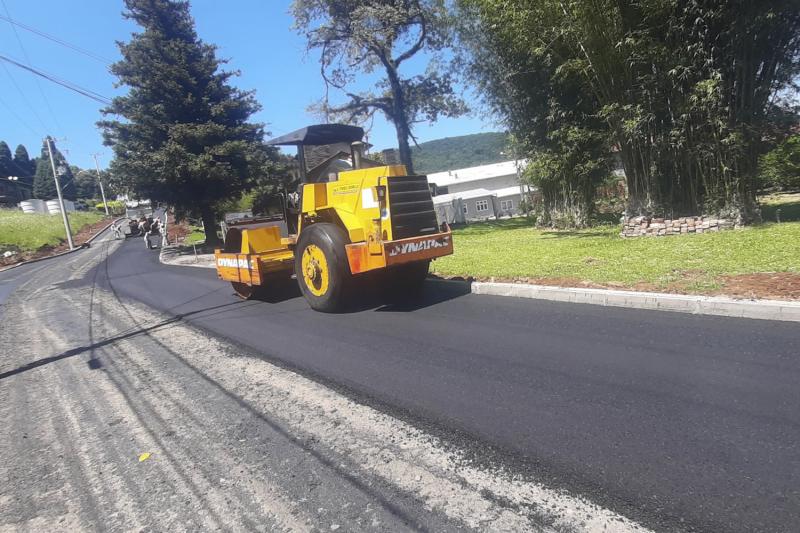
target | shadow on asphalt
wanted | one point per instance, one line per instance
(370, 297)
(125, 334)
(433, 293)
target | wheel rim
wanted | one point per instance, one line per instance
(316, 274)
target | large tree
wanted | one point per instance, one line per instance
(685, 89)
(44, 186)
(23, 163)
(86, 184)
(357, 38)
(6, 161)
(548, 107)
(184, 137)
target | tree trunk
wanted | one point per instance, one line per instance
(404, 148)
(399, 117)
(210, 226)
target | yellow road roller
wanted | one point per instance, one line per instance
(350, 216)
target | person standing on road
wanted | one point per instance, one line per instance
(144, 230)
(155, 230)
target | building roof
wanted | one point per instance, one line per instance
(508, 191)
(463, 175)
(466, 195)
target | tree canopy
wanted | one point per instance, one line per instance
(20, 166)
(44, 186)
(780, 167)
(23, 163)
(86, 184)
(6, 161)
(361, 37)
(184, 137)
(682, 91)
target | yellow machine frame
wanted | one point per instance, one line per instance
(358, 202)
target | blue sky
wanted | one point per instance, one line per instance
(255, 35)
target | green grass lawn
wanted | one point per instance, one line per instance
(197, 236)
(512, 249)
(29, 232)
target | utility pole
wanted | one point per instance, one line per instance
(47, 141)
(100, 181)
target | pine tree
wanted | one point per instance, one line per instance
(185, 138)
(23, 163)
(6, 163)
(43, 185)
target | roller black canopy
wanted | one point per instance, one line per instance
(320, 134)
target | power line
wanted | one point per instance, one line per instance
(28, 59)
(71, 46)
(64, 83)
(19, 118)
(24, 97)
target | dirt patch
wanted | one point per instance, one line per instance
(763, 285)
(773, 285)
(760, 285)
(83, 235)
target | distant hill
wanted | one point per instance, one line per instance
(451, 153)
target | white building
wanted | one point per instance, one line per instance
(477, 193)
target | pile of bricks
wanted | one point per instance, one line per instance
(655, 227)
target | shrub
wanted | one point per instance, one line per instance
(115, 207)
(781, 166)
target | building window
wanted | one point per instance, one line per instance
(482, 205)
(506, 205)
(464, 208)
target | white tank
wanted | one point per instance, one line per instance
(33, 206)
(54, 209)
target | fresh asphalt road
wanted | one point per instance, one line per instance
(673, 419)
(681, 422)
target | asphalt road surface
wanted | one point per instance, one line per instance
(678, 422)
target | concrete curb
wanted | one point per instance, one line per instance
(81, 247)
(164, 261)
(96, 235)
(702, 305)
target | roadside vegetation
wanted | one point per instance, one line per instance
(513, 250)
(197, 236)
(30, 232)
(684, 97)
